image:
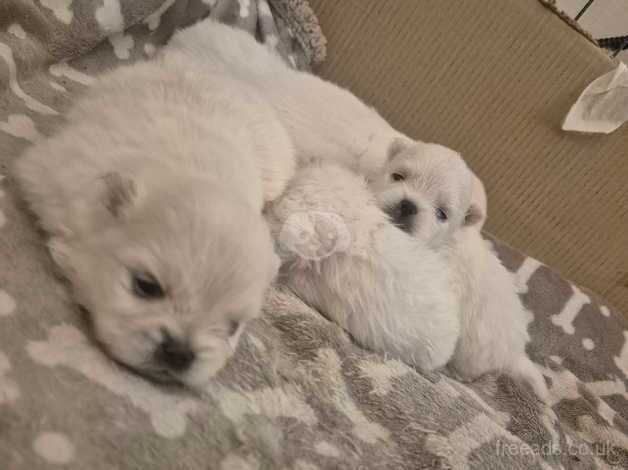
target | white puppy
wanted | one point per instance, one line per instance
(342, 255)
(430, 192)
(493, 322)
(152, 194)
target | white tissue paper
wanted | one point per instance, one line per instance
(603, 105)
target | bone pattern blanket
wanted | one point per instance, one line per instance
(298, 394)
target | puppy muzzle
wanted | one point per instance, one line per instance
(403, 214)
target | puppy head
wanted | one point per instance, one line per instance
(425, 189)
(172, 276)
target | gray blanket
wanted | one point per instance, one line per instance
(298, 394)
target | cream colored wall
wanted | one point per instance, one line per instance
(604, 18)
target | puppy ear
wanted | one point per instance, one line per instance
(119, 194)
(475, 216)
(397, 146)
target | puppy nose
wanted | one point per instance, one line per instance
(407, 208)
(403, 214)
(175, 354)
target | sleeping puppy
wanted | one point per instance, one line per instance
(152, 197)
(493, 322)
(340, 254)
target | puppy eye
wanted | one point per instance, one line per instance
(146, 286)
(441, 214)
(233, 327)
(397, 177)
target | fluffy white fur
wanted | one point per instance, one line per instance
(329, 123)
(152, 194)
(369, 287)
(325, 121)
(493, 322)
(341, 254)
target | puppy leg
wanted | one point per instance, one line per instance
(524, 370)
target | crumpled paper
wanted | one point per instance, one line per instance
(603, 105)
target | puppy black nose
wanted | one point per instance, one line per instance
(407, 208)
(403, 214)
(175, 354)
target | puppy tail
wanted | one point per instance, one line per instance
(524, 370)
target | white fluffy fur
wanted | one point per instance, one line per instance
(325, 121)
(368, 289)
(329, 123)
(381, 269)
(162, 171)
(493, 322)
(391, 292)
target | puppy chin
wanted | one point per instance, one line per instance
(200, 375)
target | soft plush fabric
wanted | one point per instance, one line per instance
(298, 394)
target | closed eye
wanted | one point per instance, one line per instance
(145, 286)
(397, 177)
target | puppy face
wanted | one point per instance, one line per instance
(425, 189)
(171, 279)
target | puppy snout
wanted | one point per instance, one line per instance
(403, 214)
(176, 355)
(407, 208)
